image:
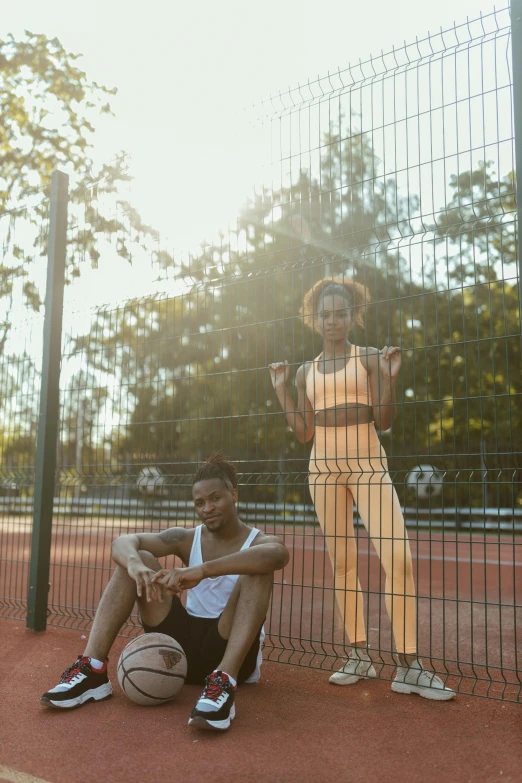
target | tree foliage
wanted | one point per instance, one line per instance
(50, 110)
(195, 364)
(166, 380)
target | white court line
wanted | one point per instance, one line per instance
(415, 556)
(448, 559)
(13, 776)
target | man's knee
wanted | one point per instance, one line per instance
(256, 582)
(253, 593)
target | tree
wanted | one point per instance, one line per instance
(49, 113)
(478, 418)
(478, 225)
(18, 419)
(197, 362)
(194, 367)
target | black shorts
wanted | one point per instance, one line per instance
(203, 645)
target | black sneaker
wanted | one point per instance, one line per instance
(215, 707)
(78, 684)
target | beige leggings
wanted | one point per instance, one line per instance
(349, 464)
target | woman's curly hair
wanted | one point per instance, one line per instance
(217, 466)
(356, 294)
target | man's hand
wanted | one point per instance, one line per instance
(178, 579)
(144, 578)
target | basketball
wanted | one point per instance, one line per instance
(152, 669)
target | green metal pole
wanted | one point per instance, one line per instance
(49, 407)
(516, 48)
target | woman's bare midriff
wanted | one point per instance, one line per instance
(344, 416)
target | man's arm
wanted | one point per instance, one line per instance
(265, 555)
(169, 542)
(125, 552)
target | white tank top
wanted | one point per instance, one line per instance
(209, 598)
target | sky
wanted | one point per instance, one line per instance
(188, 75)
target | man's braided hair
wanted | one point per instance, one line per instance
(217, 466)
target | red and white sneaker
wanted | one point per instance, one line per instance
(78, 684)
(215, 707)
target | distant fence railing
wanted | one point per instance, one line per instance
(176, 511)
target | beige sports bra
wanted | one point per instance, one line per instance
(350, 385)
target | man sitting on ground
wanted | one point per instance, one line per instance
(228, 573)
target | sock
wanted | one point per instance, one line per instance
(416, 664)
(96, 664)
(360, 653)
(232, 680)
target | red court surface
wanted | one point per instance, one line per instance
(292, 726)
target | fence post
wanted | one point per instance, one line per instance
(49, 407)
(516, 49)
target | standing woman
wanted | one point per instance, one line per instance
(342, 395)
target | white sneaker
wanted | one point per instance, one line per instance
(357, 667)
(415, 679)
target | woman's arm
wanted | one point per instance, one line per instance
(383, 370)
(301, 421)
